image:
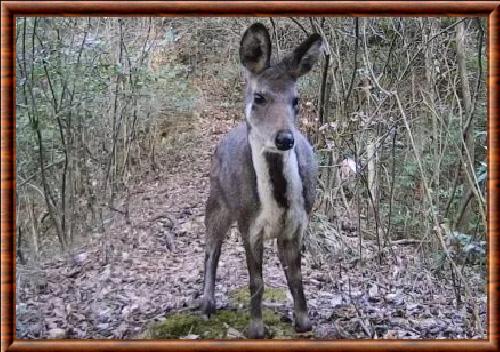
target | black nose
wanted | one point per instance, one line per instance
(284, 140)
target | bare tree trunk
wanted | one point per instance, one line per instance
(19, 249)
(53, 211)
(465, 218)
(112, 161)
(19, 240)
(371, 157)
(430, 71)
(34, 231)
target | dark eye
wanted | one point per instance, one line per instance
(259, 99)
(295, 102)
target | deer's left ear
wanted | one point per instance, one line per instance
(304, 56)
(255, 48)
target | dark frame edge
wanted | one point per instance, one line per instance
(253, 8)
(254, 345)
(7, 179)
(493, 174)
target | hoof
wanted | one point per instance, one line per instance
(208, 307)
(303, 325)
(255, 330)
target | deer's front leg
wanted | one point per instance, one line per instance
(254, 262)
(289, 254)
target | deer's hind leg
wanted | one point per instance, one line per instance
(217, 222)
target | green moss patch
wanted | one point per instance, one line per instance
(223, 324)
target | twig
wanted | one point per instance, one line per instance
(355, 70)
(408, 241)
(300, 25)
(278, 50)
(29, 178)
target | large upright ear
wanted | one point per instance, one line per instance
(255, 48)
(302, 59)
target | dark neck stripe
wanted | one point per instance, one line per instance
(278, 180)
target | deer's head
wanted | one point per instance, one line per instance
(271, 97)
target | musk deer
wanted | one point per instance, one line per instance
(263, 175)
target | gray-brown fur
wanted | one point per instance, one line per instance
(265, 185)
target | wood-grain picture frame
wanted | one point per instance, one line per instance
(10, 10)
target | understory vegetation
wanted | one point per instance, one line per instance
(116, 120)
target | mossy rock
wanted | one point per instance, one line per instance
(223, 324)
(271, 294)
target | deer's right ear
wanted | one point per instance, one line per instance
(255, 48)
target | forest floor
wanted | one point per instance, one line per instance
(133, 277)
(120, 282)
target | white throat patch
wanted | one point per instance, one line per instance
(273, 220)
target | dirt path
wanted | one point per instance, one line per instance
(133, 274)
